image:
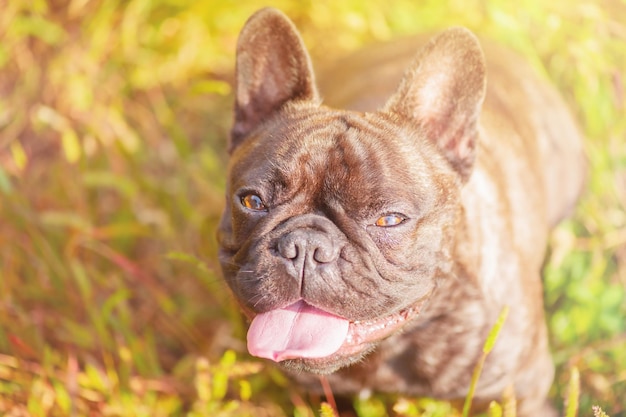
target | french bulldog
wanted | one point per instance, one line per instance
(379, 243)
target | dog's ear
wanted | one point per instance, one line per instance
(273, 67)
(443, 91)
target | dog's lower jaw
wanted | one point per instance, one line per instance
(327, 366)
(360, 339)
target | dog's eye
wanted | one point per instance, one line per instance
(253, 202)
(389, 220)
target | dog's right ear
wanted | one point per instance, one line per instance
(273, 68)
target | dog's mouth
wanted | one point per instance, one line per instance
(303, 332)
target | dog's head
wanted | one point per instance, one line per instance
(338, 225)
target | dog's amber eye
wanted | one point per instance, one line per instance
(389, 220)
(253, 202)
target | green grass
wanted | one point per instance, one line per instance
(113, 122)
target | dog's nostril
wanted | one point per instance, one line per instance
(324, 255)
(288, 249)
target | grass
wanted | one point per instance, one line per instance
(113, 122)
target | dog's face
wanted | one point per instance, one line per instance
(338, 225)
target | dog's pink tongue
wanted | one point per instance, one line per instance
(297, 331)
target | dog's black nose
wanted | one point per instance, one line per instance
(308, 248)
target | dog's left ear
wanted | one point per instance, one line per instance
(273, 67)
(442, 92)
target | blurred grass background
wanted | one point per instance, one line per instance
(113, 122)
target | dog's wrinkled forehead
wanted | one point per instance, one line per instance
(338, 158)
